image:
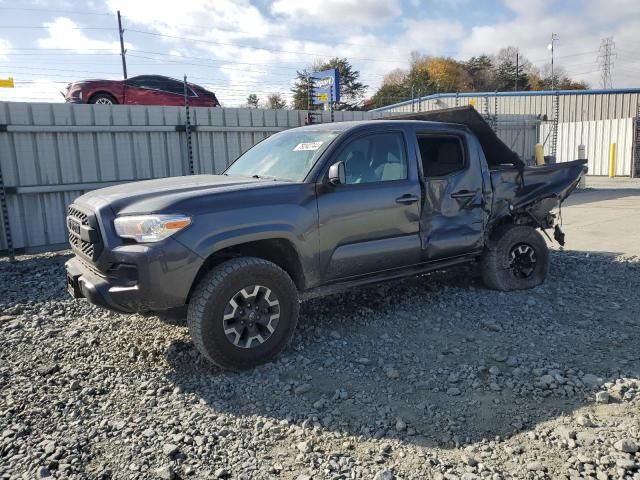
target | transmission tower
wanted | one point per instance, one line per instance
(605, 60)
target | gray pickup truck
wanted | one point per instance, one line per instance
(310, 211)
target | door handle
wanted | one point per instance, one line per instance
(463, 194)
(407, 199)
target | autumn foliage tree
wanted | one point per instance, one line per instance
(505, 71)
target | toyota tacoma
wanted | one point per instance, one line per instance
(310, 211)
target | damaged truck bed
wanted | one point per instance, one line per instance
(532, 191)
(312, 210)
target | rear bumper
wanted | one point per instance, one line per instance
(142, 278)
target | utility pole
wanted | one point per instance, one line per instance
(122, 50)
(517, 69)
(605, 59)
(551, 47)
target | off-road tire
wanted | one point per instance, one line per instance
(211, 297)
(103, 99)
(495, 262)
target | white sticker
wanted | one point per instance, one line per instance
(302, 147)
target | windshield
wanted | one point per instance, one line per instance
(287, 155)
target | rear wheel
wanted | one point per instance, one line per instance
(516, 258)
(103, 99)
(243, 313)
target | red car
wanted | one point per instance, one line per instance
(140, 90)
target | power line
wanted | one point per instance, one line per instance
(197, 40)
(36, 27)
(48, 10)
(285, 37)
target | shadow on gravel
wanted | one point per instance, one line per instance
(439, 360)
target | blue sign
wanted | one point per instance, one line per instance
(326, 86)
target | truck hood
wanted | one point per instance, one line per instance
(155, 196)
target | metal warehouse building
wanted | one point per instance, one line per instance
(560, 120)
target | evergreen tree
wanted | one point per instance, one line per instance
(481, 73)
(253, 101)
(301, 90)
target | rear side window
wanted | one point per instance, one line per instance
(441, 155)
(172, 86)
(375, 158)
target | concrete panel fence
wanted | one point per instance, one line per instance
(52, 153)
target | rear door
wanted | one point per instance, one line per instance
(453, 217)
(370, 223)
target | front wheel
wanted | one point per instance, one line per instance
(103, 99)
(243, 313)
(516, 258)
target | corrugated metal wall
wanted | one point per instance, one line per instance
(51, 153)
(573, 105)
(597, 137)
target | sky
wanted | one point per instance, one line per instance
(238, 47)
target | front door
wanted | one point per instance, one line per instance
(453, 218)
(370, 223)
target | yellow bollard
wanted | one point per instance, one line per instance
(539, 154)
(612, 160)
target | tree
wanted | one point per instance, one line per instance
(448, 75)
(541, 79)
(506, 62)
(276, 102)
(352, 90)
(388, 94)
(418, 80)
(253, 100)
(481, 73)
(301, 89)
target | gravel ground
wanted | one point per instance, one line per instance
(433, 377)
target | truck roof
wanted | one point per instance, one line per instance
(495, 150)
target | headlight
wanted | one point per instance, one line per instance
(150, 228)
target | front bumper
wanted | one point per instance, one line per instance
(141, 278)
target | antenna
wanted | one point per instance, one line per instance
(605, 60)
(551, 48)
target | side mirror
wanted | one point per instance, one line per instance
(337, 174)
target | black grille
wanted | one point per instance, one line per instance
(83, 232)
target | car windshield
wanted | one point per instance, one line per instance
(287, 155)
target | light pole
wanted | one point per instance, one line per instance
(551, 47)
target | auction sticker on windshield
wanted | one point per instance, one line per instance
(301, 147)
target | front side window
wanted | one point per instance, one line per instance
(288, 155)
(375, 158)
(440, 155)
(138, 82)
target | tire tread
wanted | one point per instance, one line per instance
(206, 288)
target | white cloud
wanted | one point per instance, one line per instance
(208, 19)
(358, 13)
(64, 33)
(5, 45)
(256, 45)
